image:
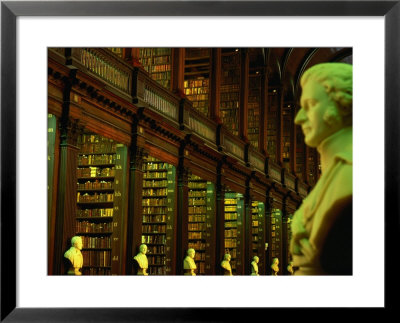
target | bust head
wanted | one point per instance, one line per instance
(143, 249)
(191, 252)
(256, 259)
(275, 261)
(227, 257)
(326, 101)
(76, 242)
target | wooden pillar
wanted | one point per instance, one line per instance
(263, 113)
(292, 153)
(215, 83)
(247, 226)
(244, 95)
(66, 197)
(220, 219)
(135, 209)
(178, 71)
(279, 145)
(182, 209)
(285, 236)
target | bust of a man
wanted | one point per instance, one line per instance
(189, 265)
(141, 260)
(226, 265)
(275, 266)
(74, 256)
(254, 266)
(322, 227)
(290, 268)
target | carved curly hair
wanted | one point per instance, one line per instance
(337, 79)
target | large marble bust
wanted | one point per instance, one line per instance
(141, 260)
(322, 227)
(189, 266)
(74, 256)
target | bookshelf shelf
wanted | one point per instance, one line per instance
(157, 212)
(99, 201)
(157, 62)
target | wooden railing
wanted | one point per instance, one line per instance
(290, 181)
(257, 160)
(274, 171)
(148, 93)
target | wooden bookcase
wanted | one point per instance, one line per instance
(100, 182)
(276, 237)
(253, 128)
(157, 62)
(197, 78)
(158, 216)
(200, 216)
(272, 124)
(233, 224)
(257, 223)
(230, 89)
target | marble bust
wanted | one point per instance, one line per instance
(254, 266)
(189, 265)
(74, 256)
(226, 265)
(322, 227)
(141, 260)
(275, 266)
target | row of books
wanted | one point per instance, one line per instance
(197, 185)
(84, 160)
(146, 52)
(95, 172)
(196, 83)
(156, 239)
(159, 76)
(106, 212)
(153, 183)
(196, 90)
(98, 271)
(96, 258)
(197, 209)
(229, 105)
(196, 235)
(198, 226)
(154, 228)
(230, 233)
(156, 218)
(153, 209)
(153, 175)
(154, 192)
(96, 242)
(154, 166)
(197, 245)
(158, 68)
(154, 202)
(198, 97)
(95, 197)
(151, 61)
(193, 194)
(156, 260)
(95, 185)
(197, 218)
(91, 227)
(156, 249)
(197, 201)
(230, 208)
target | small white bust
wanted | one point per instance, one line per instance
(225, 264)
(275, 267)
(142, 261)
(75, 257)
(189, 266)
(254, 266)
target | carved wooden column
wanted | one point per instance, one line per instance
(135, 209)
(215, 83)
(178, 71)
(244, 95)
(263, 113)
(220, 220)
(182, 208)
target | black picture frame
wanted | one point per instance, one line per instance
(10, 10)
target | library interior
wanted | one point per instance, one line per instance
(177, 161)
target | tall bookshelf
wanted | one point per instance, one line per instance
(287, 130)
(158, 214)
(254, 100)
(276, 235)
(157, 62)
(197, 77)
(257, 223)
(272, 123)
(230, 89)
(289, 238)
(100, 183)
(300, 154)
(200, 217)
(233, 214)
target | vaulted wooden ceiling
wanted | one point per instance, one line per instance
(285, 66)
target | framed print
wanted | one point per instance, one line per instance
(84, 29)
